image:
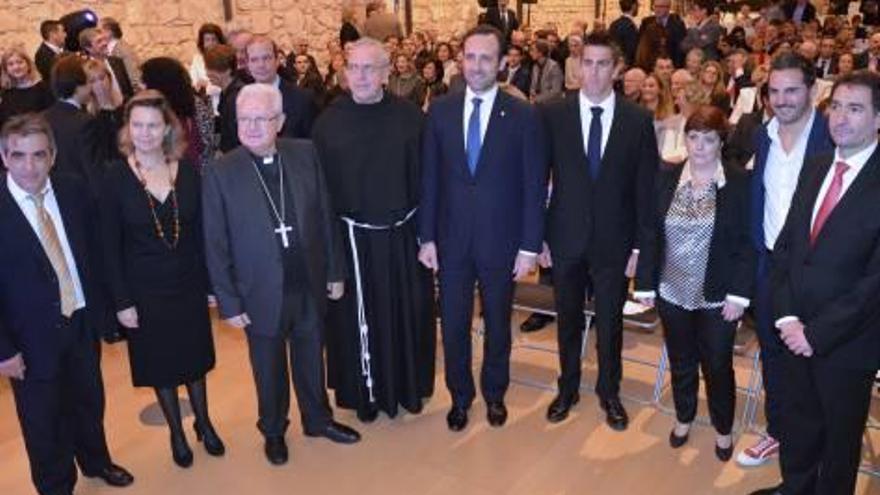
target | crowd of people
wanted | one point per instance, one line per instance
(719, 162)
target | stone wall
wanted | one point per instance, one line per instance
(169, 27)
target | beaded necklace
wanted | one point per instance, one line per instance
(172, 196)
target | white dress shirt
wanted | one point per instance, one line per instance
(587, 118)
(488, 98)
(781, 174)
(29, 209)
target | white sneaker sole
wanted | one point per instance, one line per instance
(748, 461)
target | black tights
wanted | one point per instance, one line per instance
(198, 397)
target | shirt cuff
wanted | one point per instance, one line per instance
(741, 301)
(645, 294)
(785, 319)
(635, 251)
(527, 253)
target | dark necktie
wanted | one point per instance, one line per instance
(594, 143)
(474, 140)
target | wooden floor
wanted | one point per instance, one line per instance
(417, 454)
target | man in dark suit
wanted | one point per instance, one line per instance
(298, 106)
(826, 295)
(603, 157)
(799, 11)
(782, 146)
(739, 148)
(49, 309)
(673, 27)
(94, 43)
(515, 73)
(503, 18)
(705, 32)
(53, 35)
(624, 31)
(274, 256)
(483, 167)
(826, 62)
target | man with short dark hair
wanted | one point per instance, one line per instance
(604, 158)
(704, 31)
(52, 46)
(624, 31)
(515, 73)
(94, 42)
(50, 292)
(673, 28)
(117, 47)
(826, 291)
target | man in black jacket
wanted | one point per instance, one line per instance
(53, 35)
(624, 31)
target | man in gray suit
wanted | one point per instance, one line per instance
(547, 76)
(274, 255)
(703, 30)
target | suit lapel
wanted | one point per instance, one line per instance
(575, 127)
(19, 223)
(851, 197)
(74, 231)
(616, 139)
(297, 193)
(493, 131)
(457, 118)
(252, 194)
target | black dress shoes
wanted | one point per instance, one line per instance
(180, 451)
(615, 414)
(775, 490)
(535, 322)
(560, 406)
(337, 432)
(206, 434)
(276, 450)
(368, 415)
(457, 418)
(496, 413)
(113, 475)
(676, 441)
(724, 453)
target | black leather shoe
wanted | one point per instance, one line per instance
(775, 490)
(457, 418)
(560, 406)
(180, 451)
(676, 441)
(615, 414)
(276, 450)
(114, 336)
(113, 475)
(496, 413)
(205, 433)
(535, 322)
(337, 432)
(368, 415)
(724, 454)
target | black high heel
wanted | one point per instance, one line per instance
(180, 451)
(213, 445)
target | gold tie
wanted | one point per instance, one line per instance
(52, 246)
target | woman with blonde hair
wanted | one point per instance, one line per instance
(22, 89)
(656, 97)
(107, 96)
(712, 79)
(154, 256)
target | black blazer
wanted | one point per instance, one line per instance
(675, 32)
(493, 18)
(731, 265)
(522, 79)
(30, 301)
(606, 218)
(623, 30)
(833, 286)
(125, 85)
(82, 142)
(741, 144)
(298, 105)
(241, 249)
(348, 32)
(43, 58)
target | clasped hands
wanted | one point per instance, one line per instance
(524, 264)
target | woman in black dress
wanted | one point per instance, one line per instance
(23, 90)
(151, 215)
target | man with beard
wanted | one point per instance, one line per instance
(380, 336)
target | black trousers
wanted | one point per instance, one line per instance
(571, 277)
(700, 340)
(824, 410)
(457, 310)
(301, 341)
(62, 418)
(772, 347)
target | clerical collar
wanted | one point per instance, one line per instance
(265, 160)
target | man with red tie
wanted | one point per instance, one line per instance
(826, 292)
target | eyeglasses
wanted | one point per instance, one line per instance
(259, 121)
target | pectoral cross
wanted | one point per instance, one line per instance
(282, 230)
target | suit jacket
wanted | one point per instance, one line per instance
(489, 216)
(808, 15)
(731, 265)
(241, 248)
(818, 142)
(829, 70)
(30, 300)
(522, 78)
(44, 58)
(675, 33)
(603, 219)
(493, 18)
(833, 286)
(298, 105)
(704, 37)
(81, 141)
(130, 60)
(552, 81)
(623, 31)
(119, 70)
(741, 144)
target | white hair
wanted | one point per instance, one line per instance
(259, 90)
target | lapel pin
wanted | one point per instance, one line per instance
(502, 113)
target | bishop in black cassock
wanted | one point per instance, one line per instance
(381, 336)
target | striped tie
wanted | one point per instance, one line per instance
(52, 247)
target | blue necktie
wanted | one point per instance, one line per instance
(473, 137)
(594, 144)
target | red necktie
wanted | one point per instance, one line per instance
(832, 196)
